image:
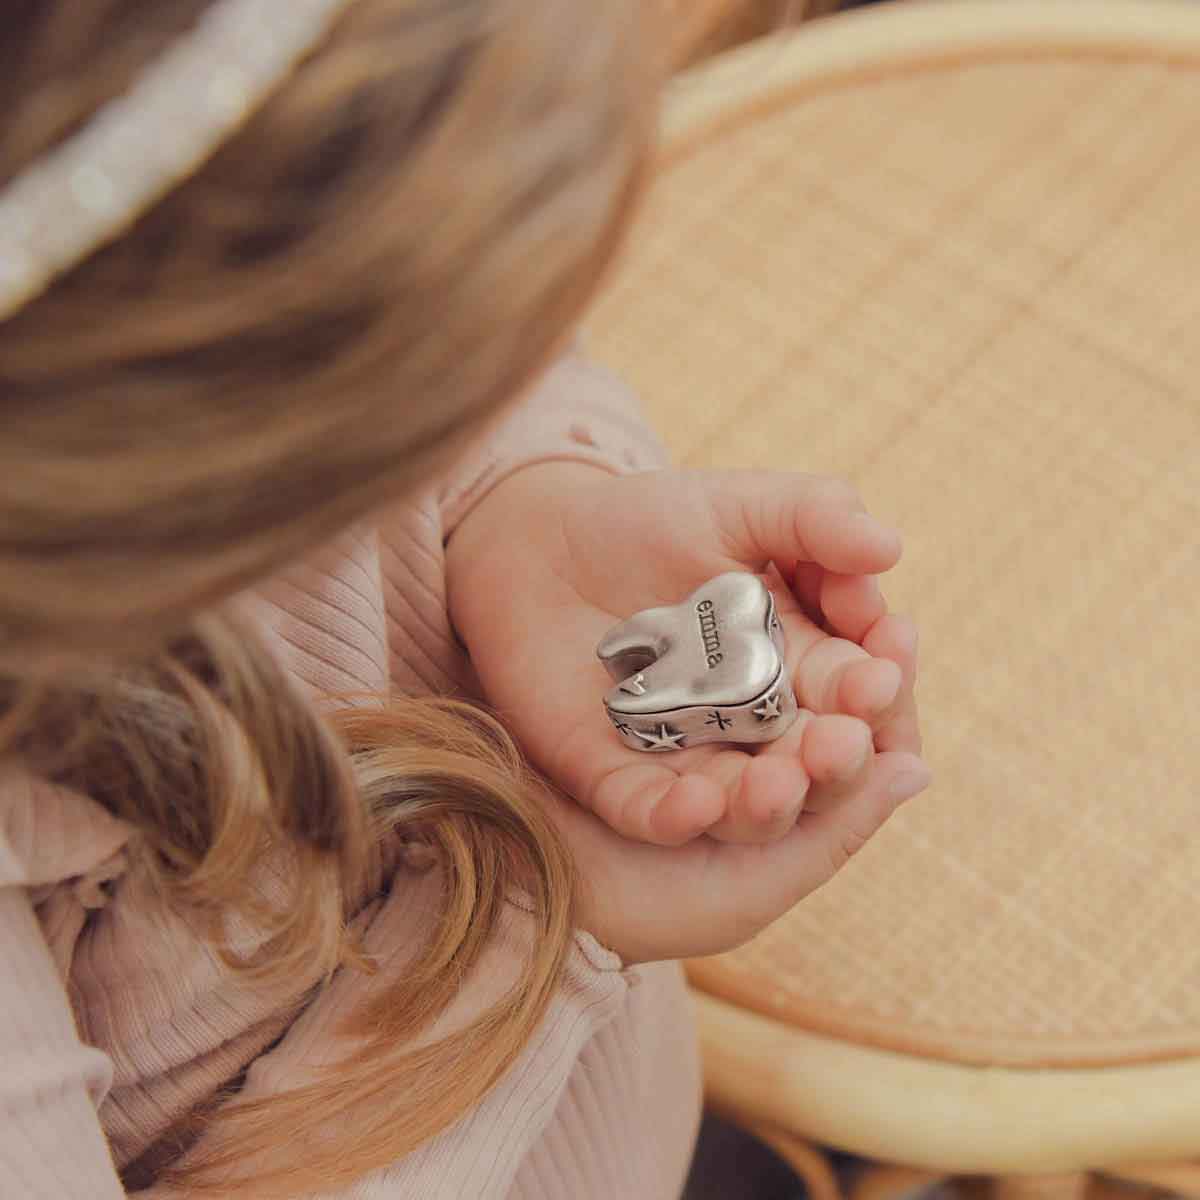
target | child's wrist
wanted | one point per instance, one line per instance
(531, 489)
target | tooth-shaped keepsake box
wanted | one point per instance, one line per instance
(709, 669)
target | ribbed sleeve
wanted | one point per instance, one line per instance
(51, 1143)
(628, 1117)
(480, 1155)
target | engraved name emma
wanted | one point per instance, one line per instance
(709, 632)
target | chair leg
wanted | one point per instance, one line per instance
(880, 1181)
(1181, 1178)
(809, 1163)
(1072, 1185)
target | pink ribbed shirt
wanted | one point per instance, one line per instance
(116, 1019)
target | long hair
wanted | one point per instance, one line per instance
(385, 255)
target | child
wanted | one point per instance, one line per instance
(299, 459)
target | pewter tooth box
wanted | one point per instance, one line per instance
(709, 669)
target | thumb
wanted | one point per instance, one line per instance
(788, 516)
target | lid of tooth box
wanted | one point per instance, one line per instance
(716, 648)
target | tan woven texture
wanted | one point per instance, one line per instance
(969, 281)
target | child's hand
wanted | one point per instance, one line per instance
(559, 553)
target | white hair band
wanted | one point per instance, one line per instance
(135, 149)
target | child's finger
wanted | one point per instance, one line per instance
(895, 637)
(804, 580)
(785, 516)
(764, 794)
(844, 605)
(819, 755)
(851, 604)
(766, 791)
(838, 762)
(902, 732)
(835, 748)
(837, 675)
(649, 802)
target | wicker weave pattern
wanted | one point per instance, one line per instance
(975, 291)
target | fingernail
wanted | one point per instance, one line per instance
(897, 674)
(791, 815)
(911, 783)
(876, 527)
(855, 769)
(913, 634)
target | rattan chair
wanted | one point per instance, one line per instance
(953, 253)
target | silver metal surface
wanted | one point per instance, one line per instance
(709, 669)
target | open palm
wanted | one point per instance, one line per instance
(559, 553)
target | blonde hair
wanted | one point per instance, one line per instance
(305, 329)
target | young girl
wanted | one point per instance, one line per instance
(299, 467)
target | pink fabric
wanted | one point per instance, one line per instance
(115, 1019)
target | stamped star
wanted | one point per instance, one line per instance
(769, 709)
(665, 739)
(720, 721)
(620, 725)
